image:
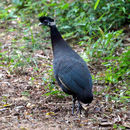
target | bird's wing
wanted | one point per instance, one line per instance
(75, 76)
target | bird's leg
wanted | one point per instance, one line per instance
(73, 106)
(80, 108)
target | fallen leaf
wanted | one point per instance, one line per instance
(50, 113)
(106, 124)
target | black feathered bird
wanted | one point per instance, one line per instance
(70, 70)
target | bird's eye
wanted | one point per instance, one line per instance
(45, 21)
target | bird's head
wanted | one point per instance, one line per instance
(46, 21)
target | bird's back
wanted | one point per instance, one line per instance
(74, 77)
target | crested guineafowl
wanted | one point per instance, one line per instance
(70, 70)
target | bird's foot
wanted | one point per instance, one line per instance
(80, 108)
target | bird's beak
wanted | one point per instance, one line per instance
(40, 24)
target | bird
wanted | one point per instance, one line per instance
(70, 70)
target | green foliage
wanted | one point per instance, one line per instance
(78, 16)
(117, 68)
(96, 4)
(107, 44)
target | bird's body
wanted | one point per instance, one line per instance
(70, 70)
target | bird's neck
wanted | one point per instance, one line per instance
(58, 43)
(55, 35)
